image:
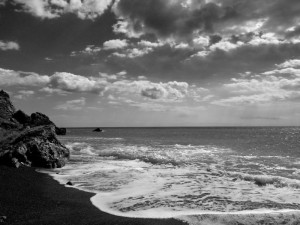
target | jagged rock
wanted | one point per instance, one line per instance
(6, 107)
(21, 117)
(97, 130)
(38, 119)
(36, 146)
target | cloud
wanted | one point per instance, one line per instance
(290, 63)
(273, 85)
(87, 9)
(171, 91)
(76, 83)
(9, 45)
(23, 94)
(142, 48)
(13, 78)
(115, 44)
(118, 84)
(89, 50)
(76, 104)
(251, 99)
(51, 91)
(168, 18)
(224, 25)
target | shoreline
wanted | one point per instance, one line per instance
(29, 197)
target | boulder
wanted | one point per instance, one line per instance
(36, 146)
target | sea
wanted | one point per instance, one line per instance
(201, 175)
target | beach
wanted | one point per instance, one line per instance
(28, 197)
(32, 198)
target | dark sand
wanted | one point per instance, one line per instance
(28, 197)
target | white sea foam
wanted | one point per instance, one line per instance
(81, 147)
(163, 154)
(175, 180)
(134, 188)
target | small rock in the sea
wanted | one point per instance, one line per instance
(69, 183)
(234, 179)
(98, 130)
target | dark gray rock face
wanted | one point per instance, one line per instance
(38, 119)
(6, 107)
(37, 147)
(29, 140)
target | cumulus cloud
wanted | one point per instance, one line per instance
(89, 50)
(142, 48)
(172, 90)
(115, 44)
(76, 83)
(86, 9)
(290, 63)
(118, 84)
(76, 104)
(9, 45)
(247, 41)
(13, 78)
(274, 85)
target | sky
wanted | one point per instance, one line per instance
(153, 62)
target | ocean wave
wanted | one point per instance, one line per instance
(81, 147)
(105, 138)
(164, 154)
(263, 180)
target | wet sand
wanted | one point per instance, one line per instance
(28, 197)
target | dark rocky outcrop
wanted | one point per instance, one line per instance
(6, 107)
(37, 147)
(98, 130)
(37, 119)
(29, 140)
